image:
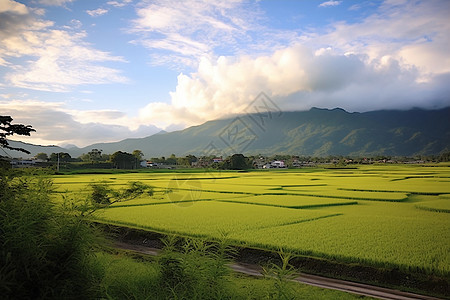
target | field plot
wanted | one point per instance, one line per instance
(289, 201)
(167, 196)
(332, 192)
(394, 216)
(440, 205)
(207, 218)
(374, 233)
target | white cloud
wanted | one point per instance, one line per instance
(75, 24)
(377, 63)
(297, 78)
(226, 86)
(63, 61)
(423, 43)
(119, 3)
(13, 7)
(56, 124)
(97, 12)
(187, 30)
(55, 2)
(330, 3)
(52, 59)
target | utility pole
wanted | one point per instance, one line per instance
(57, 166)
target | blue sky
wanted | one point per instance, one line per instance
(83, 71)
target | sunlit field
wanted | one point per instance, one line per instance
(385, 216)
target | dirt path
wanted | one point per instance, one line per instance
(319, 281)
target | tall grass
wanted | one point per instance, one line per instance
(282, 274)
(44, 248)
(126, 277)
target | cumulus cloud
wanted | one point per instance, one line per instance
(296, 77)
(14, 7)
(51, 59)
(423, 43)
(15, 17)
(54, 123)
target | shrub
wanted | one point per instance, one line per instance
(44, 249)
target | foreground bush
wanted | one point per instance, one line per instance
(44, 249)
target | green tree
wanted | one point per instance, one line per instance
(7, 129)
(95, 155)
(186, 161)
(123, 160)
(172, 160)
(138, 155)
(105, 157)
(191, 158)
(85, 157)
(41, 156)
(63, 157)
(445, 156)
(236, 162)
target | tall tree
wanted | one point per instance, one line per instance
(237, 162)
(95, 155)
(187, 161)
(7, 129)
(63, 157)
(41, 156)
(138, 155)
(172, 160)
(123, 160)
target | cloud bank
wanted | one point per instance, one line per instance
(378, 63)
(56, 124)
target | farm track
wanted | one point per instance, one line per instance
(314, 280)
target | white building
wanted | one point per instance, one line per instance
(278, 164)
(148, 164)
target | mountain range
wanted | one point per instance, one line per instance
(317, 132)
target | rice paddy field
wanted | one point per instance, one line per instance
(384, 216)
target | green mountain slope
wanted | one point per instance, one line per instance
(313, 132)
(317, 132)
(34, 149)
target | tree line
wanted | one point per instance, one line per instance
(95, 158)
(124, 160)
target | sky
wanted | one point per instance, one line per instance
(82, 72)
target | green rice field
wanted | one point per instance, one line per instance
(384, 216)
